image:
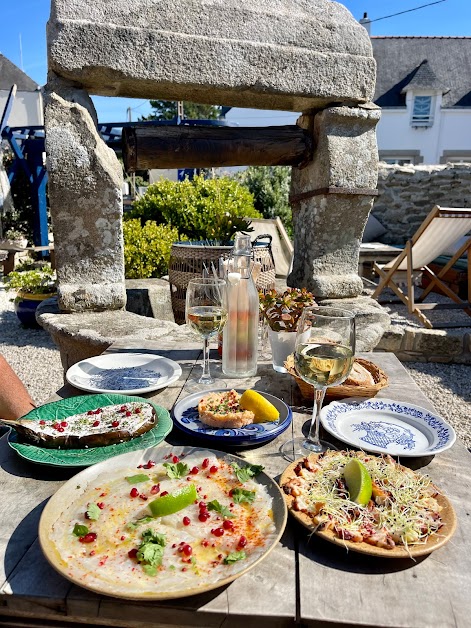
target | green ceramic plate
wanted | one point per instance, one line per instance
(60, 410)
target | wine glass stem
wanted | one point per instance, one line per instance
(206, 376)
(319, 394)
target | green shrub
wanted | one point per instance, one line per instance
(270, 187)
(201, 209)
(147, 248)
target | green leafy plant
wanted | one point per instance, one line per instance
(282, 310)
(15, 235)
(147, 248)
(40, 280)
(200, 209)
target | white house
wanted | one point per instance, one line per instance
(27, 108)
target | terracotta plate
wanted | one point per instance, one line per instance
(434, 541)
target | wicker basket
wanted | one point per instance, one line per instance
(339, 392)
(188, 261)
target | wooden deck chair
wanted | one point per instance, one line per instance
(440, 230)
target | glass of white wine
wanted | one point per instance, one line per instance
(206, 313)
(323, 356)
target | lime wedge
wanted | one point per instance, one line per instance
(358, 482)
(261, 407)
(173, 502)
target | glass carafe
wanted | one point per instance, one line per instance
(240, 336)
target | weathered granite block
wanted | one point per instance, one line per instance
(437, 342)
(85, 181)
(391, 340)
(272, 55)
(150, 297)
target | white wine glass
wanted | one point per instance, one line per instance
(323, 357)
(206, 313)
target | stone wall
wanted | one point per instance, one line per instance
(408, 193)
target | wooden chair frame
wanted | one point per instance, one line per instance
(415, 306)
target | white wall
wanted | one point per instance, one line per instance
(260, 117)
(27, 108)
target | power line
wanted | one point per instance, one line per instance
(407, 11)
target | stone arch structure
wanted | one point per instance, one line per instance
(297, 55)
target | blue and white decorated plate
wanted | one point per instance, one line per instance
(385, 426)
(185, 417)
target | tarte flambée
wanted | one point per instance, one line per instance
(407, 515)
(108, 540)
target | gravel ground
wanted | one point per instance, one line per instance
(36, 360)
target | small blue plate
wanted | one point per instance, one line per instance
(386, 426)
(185, 417)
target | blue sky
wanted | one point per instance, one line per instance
(27, 19)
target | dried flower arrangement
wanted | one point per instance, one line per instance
(282, 310)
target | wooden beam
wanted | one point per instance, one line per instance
(146, 147)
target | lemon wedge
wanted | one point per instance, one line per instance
(173, 502)
(261, 407)
(358, 482)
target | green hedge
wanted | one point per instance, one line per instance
(200, 209)
(147, 248)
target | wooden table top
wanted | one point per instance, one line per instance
(304, 580)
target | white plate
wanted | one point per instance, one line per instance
(127, 373)
(386, 426)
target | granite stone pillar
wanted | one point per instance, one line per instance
(331, 198)
(85, 181)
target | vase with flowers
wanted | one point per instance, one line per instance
(282, 311)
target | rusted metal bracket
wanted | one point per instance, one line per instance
(298, 198)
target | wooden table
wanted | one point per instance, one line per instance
(304, 581)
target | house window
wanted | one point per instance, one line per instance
(422, 111)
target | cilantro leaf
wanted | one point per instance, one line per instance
(240, 495)
(150, 570)
(93, 512)
(135, 479)
(234, 557)
(154, 537)
(80, 530)
(150, 553)
(132, 525)
(177, 470)
(246, 473)
(222, 510)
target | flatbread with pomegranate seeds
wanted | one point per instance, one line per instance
(407, 516)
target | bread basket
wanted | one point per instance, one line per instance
(343, 390)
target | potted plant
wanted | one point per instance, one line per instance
(33, 283)
(282, 311)
(15, 237)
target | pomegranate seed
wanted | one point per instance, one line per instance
(115, 424)
(194, 471)
(123, 409)
(42, 422)
(205, 497)
(134, 492)
(217, 531)
(175, 459)
(90, 412)
(88, 538)
(163, 493)
(149, 464)
(219, 556)
(202, 506)
(60, 429)
(132, 553)
(127, 413)
(205, 463)
(55, 425)
(213, 469)
(143, 497)
(187, 550)
(155, 489)
(231, 492)
(174, 545)
(96, 423)
(180, 549)
(97, 411)
(122, 538)
(101, 505)
(242, 542)
(102, 494)
(228, 525)
(231, 505)
(204, 543)
(184, 569)
(213, 545)
(204, 516)
(63, 423)
(188, 479)
(137, 411)
(182, 543)
(92, 553)
(186, 521)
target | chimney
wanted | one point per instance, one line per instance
(366, 22)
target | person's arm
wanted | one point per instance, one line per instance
(15, 400)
